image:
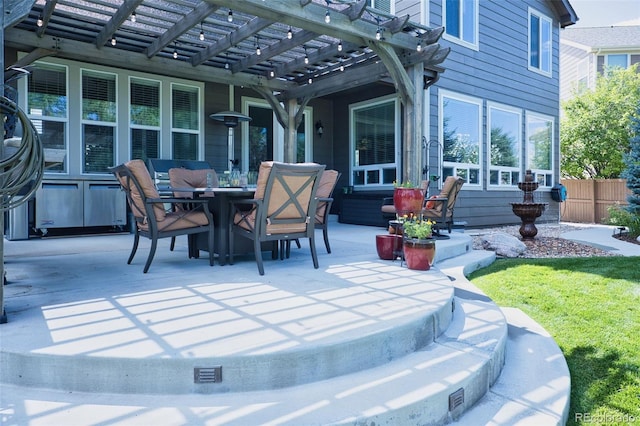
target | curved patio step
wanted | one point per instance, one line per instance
(171, 341)
(431, 386)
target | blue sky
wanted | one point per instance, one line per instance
(604, 13)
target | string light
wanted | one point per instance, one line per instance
(327, 17)
(340, 46)
(419, 47)
(175, 52)
(258, 51)
(306, 57)
(272, 73)
(378, 34)
(40, 21)
(201, 32)
(230, 16)
(113, 40)
(290, 34)
(133, 16)
(226, 65)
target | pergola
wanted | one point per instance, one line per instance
(289, 51)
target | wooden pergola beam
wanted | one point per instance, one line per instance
(121, 15)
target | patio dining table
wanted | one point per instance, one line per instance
(219, 207)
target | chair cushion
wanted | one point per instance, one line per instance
(179, 220)
(139, 171)
(432, 204)
(185, 178)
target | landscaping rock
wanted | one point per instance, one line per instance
(503, 244)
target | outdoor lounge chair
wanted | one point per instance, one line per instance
(282, 208)
(148, 208)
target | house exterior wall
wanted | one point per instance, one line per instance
(498, 72)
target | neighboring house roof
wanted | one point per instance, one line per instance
(604, 37)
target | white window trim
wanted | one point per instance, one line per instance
(519, 168)
(542, 17)
(23, 99)
(531, 114)
(474, 46)
(479, 102)
(352, 142)
(198, 131)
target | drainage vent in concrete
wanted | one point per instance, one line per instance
(207, 374)
(456, 399)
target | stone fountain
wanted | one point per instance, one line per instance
(528, 210)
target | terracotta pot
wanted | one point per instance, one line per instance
(407, 201)
(388, 246)
(419, 254)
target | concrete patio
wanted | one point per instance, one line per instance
(91, 340)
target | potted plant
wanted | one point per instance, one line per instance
(419, 246)
(407, 199)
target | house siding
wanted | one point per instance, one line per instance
(498, 72)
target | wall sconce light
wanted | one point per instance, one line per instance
(319, 128)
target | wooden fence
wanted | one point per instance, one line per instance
(589, 199)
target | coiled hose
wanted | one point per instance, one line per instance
(25, 167)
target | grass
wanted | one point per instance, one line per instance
(591, 307)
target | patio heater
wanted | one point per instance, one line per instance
(231, 120)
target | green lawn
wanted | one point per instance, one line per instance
(591, 306)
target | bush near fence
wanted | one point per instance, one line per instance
(588, 199)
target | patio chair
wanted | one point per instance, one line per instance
(439, 208)
(180, 177)
(281, 210)
(325, 191)
(148, 208)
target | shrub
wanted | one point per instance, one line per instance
(619, 216)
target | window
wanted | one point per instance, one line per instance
(374, 141)
(460, 124)
(461, 22)
(144, 118)
(540, 148)
(620, 61)
(185, 122)
(47, 101)
(582, 75)
(99, 111)
(384, 5)
(539, 42)
(505, 135)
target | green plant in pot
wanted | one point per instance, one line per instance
(419, 247)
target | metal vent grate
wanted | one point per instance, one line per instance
(456, 399)
(207, 374)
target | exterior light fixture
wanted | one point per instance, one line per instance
(327, 17)
(258, 50)
(340, 46)
(310, 80)
(272, 73)
(175, 52)
(201, 32)
(290, 34)
(40, 21)
(378, 34)
(306, 57)
(226, 65)
(113, 40)
(133, 16)
(230, 16)
(319, 128)
(419, 47)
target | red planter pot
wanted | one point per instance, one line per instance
(408, 201)
(388, 246)
(419, 254)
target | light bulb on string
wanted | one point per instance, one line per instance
(40, 21)
(327, 17)
(133, 16)
(201, 32)
(340, 46)
(290, 34)
(113, 40)
(230, 16)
